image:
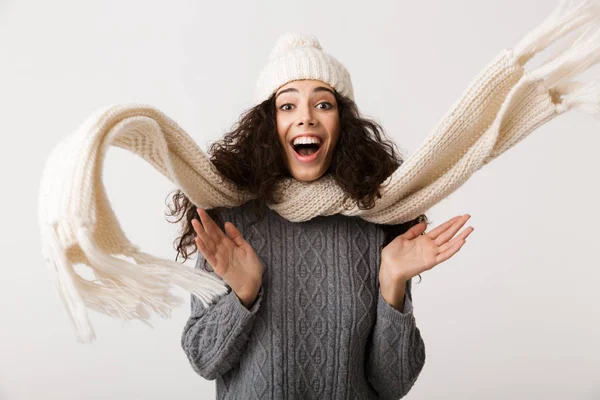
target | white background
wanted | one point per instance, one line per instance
(513, 315)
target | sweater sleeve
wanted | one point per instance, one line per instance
(395, 351)
(215, 337)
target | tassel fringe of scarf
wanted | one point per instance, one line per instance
(500, 107)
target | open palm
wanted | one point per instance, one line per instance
(231, 256)
(413, 252)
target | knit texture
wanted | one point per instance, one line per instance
(319, 328)
(500, 107)
(300, 56)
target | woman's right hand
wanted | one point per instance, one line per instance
(232, 258)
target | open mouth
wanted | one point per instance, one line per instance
(305, 150)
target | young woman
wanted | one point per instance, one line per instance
(320, 309)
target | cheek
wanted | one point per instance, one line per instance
(281, 130)
(334, 129)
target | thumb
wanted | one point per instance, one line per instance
(415, 231)
(234, 234)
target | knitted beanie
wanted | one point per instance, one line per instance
(300, 56)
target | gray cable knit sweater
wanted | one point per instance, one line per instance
(319, 328)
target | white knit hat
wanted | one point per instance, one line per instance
(300, 56)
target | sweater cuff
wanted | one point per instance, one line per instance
(386, 310)
(239, 309)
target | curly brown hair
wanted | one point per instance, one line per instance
(252, 158)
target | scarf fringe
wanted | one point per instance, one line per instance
(65, 280)
(206, 288)
(577, 95)
(581, 53)
(546, 92)
(123, 289)
(565, 18)
(584, 53)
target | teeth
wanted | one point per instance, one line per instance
(306, 140)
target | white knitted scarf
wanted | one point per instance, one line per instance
(500, 107)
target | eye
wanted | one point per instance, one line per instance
(287, 104)
(325, 102)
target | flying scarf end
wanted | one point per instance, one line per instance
(121, 289)
(67, 284)
(200, 283)
(578, 95)
(566, 17)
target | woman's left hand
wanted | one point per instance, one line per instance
(412, 253)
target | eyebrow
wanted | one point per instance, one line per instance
(315, 90)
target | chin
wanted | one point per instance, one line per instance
(307, 176)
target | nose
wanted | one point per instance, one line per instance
(306, 118)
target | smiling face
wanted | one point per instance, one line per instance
(307, 108)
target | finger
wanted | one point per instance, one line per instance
(206, 253)
(451, 230)
(450, 251)
(207, 241)
(211, 228)
(438, 230)
(234, 234)
(462, 236)
(414, 231)
(198, 228)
